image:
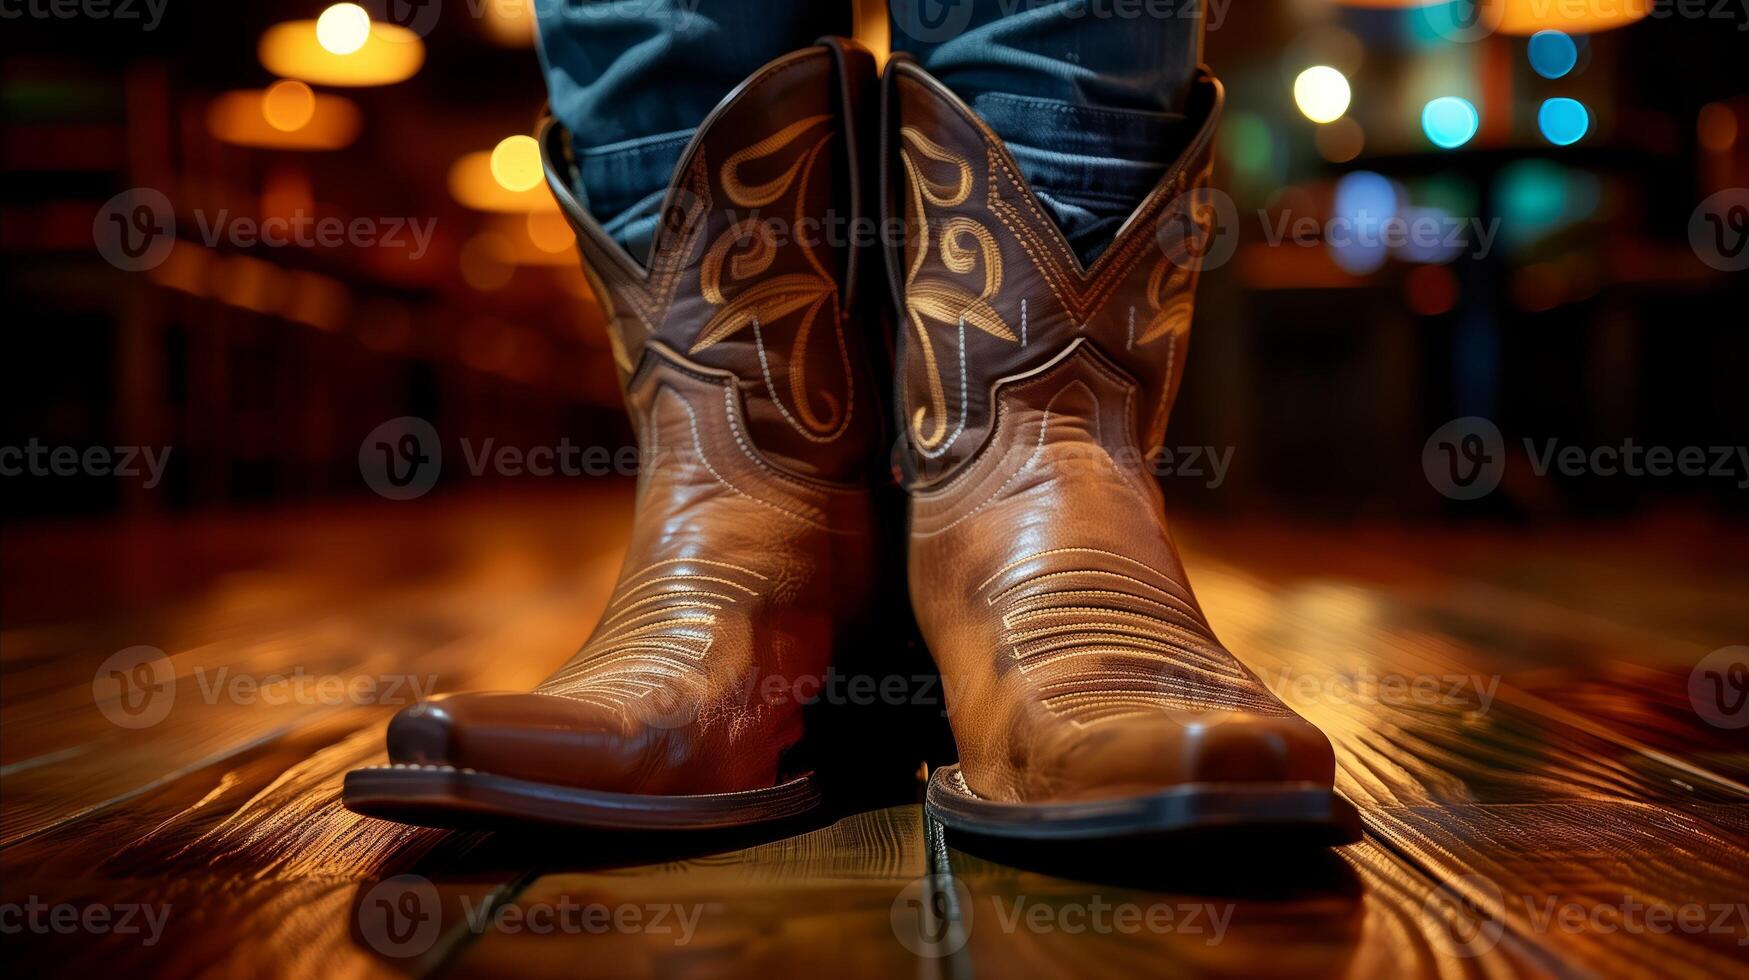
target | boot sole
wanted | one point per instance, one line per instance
(444, 796)
(1302, 811)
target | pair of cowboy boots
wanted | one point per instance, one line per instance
(1087, 695)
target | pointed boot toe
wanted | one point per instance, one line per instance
(1148, 754)
(535, 737)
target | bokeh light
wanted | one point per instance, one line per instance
(510, 22)
(1538, 197)
(343, 28)
(1430, 290)
(253, 117)
(1552, 53)
(1563, 121)
(550, 231)
(389, 54)
(1716, 127)
(1525, 17)
(1365, 202)
(1322, 93)
(516, 164)
(1340, 141)
(1450, 121)
(1246, 141)
(288, 105)
(473, 184)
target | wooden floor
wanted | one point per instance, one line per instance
(1510, 708)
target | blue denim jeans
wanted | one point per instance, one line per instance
(1086, 93)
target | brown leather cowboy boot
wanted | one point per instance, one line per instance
(752, 560)
(1089, 697)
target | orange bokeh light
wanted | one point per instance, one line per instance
(1526, 17)
(472, 184)
(391, 54)
(288, 105)
(510, 22)
(247, 117)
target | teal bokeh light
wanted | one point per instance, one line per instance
(1552, 53)
(1449, 121)
(1563, 121)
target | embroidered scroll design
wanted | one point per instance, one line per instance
(1171, 288)
(747, 250)
(966, 245)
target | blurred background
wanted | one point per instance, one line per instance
(1583, 294)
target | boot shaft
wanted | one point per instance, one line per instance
(988, 288)
(754, 271)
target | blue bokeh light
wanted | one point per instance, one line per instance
(1449, 121)
(1365, 203)
(1552, 53)
(1563, 121)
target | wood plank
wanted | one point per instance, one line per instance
(1607, 624)
(1239, 910)
(816, 903)
(1511, 807)
(248, 853)
(489, 595)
